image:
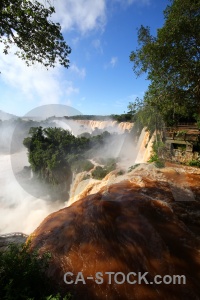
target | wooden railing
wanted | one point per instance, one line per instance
(182, 133)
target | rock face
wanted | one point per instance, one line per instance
(12, 238)
(135, 225)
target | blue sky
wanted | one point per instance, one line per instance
(100, 80)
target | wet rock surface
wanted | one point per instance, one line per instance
(140, 223)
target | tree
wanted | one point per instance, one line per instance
(27, 25)
(134, 107)
(47, 153)
(23, 274)
(172, 61)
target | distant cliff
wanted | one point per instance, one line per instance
(121, 127)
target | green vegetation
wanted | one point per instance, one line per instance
(82, 165)
(133, 167)
(99, 173)
(87, 176)
(158, 153)
(55, 153)
(149, 117)
(27, 25)
(197, 118)
(194, 163)
(160, 164)
(52, 151)
(126, 117)
(121, 172)
(88, 117)
(109, 166)
(171, 61)
(22, 275)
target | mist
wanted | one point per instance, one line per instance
(20, 211)
(25, 202)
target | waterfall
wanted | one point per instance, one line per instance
(144, 147)
(112, 125)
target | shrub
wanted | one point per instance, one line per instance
(99, 173)
(85, 177)
(121, 172)
(194, 163)
(82, 165)
(22, 275)
(153, 157)
(110, 167)
(133, 167)
(158, 153)
(159, 164)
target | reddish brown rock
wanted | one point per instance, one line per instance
(123, 229)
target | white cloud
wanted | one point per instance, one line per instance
(97, 45)
(84, 15)
(80, 72)
(126, 3)
(35, 83)
(70, 89)
(113, 61)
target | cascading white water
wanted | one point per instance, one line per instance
(17, 204)
(20, 211)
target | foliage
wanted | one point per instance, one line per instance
(133, 167)
(82, 165)
(194, 163)
(85, 134)
(99, 173)
(121, 172)
(126, 117)
(159, 163)
(147, 116)
(46, 153)
(27, 25)
(158, 153)
(153, 157)
(85, 177)
(197, 118)
(22, 274)
(110, 164)
(171, 60)
(53, 153)
(58, 297)
(88, 117)
(180, 133)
